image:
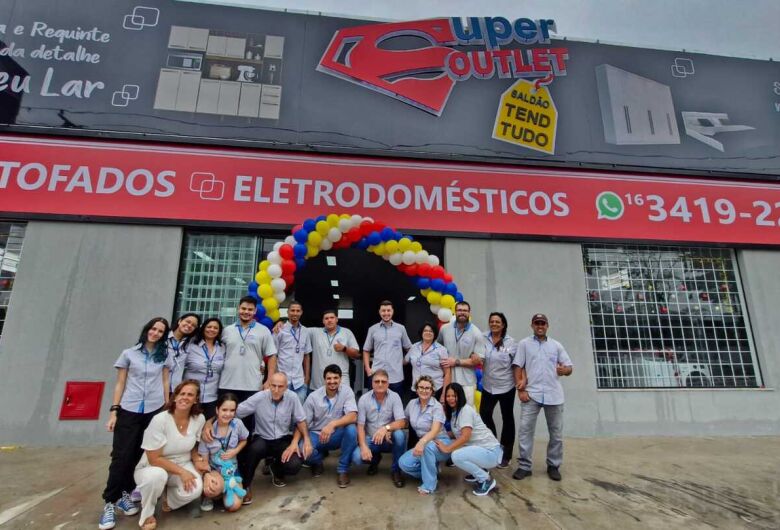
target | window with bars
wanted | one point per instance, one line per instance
(215, 271)
(11, 238)
(666, 317)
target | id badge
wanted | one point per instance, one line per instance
(242, 351)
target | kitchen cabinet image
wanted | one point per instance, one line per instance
(184, 38)
(232, 47)
(208, 97)
(274, 46)
(270, 102)
(177, 90)
(229, 92)
(249, 102)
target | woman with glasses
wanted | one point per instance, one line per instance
(425, 416)
(498, 382)
(425, 357)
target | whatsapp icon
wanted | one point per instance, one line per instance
(609, 206)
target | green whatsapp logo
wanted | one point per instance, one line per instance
(609, 206)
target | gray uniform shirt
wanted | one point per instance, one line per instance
(421, 419)
(498, 376)
(323, 353)
(292, 343)
(375, 416)
(273, 420)
(144, 390)
(480, 434)
(540, 360)
(427, 362)
(204, 367)
(175, 360)
(388, 342)
(460, 345)
(245, 351)
(321, 410)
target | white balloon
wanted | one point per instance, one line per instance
(278, 285)
(334, 234)
(433, 260)
(274, 270)
(396, 258)
(435, 309)
(386, 257)
(355, 219)
(278, 244)
(421, 257)
(369, 219)
(280, 297)
(290, 240)
(274, 257)
(409, 257)
(444, 314)
(326, 244)
(345, 224)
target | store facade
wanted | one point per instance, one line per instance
(613, 189)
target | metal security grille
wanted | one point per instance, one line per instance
(11, 238)
(668, 317)
(215, 271)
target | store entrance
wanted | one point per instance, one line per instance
(354, 282)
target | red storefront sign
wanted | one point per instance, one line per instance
(105, 180)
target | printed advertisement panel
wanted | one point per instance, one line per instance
(153, 182)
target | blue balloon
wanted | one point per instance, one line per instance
(300, 250)
(260, 313)
(300, 263)
(397, 235)
(362, 244)
(451, 288)
(387, 233)
(301, 236)
(309, 225)
(252, 288)
(255, 296)
(374, 238)
(437, 284)
(479, 379)
(423, 283)
(267, 322)
(320, 218)
(458, 297)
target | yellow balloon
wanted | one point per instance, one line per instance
(333, 220)
(434, 297)
(273, 315)
(404, 244)
(391, 247)
(264, 265)
(265, 290)
(311, 250)
(447, 301)
(345, 216)
(477, 398)
(322, 228)
(415, 246)
(315, 239)
(263, 277)
(270, 303)
(379, 249)
(425, 292)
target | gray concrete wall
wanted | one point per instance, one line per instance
(82, 294)
(521, 277)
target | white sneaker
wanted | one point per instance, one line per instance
(206, 505)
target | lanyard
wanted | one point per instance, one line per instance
(296, 338)
(224, 442)
(175, 343)
(145, 353)
(331, 339)
(243, 338)
(378, 405)
(330, 403)
(209, 360)
(460, 336)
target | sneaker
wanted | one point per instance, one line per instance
(504, 463)
(247, 497)
(276, 480)
(449, 463)
(483, 488)
(135, 496)
(373, 468)
(108, 518)
(521, 473)
(470, 478)
(398, 479)
(343, 480)
(125, 505)
(206, 505)
(317, 469)
(553, 473)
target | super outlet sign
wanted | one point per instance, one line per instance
(102, 180)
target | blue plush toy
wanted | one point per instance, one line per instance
(233, 481)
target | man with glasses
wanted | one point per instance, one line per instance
(465, 345)
(542, 361)
(380, 423)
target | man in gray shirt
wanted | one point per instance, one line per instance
(380, 425)
(331, 344)
(465, 345)
(293, 346)
(388, 341)
(542, 361)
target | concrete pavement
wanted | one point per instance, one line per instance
(618, 483)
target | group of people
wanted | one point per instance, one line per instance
(197, 408)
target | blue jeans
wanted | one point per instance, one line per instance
(396, 447)
(425, 466)
(475, 460)
(344, 438)
(302, 391)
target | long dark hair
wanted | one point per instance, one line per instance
(199, 333)
(182, 317)
(503, 331)
(160, 350)
(195, 410)
(461, 395)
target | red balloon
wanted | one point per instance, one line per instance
(288, 267)
(286, 252)
(378, 227)
(437, 271)
(289, 279)
(353, 234)
(424, 269)
(366, 228)
(447, 277)
(296, 228)
(411, 270)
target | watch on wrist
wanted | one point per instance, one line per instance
(114, 408)
(387, 428)
(457, 362)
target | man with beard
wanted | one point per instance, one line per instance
(464, 343)
(332, 344)
(293, 345)
(388, 341)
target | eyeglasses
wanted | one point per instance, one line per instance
(424, 389)
(539, 323)
(380, 382)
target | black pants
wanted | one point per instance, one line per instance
(210, 409)
(507, 404)
(258, 448)
(242, 396)
(125, 452)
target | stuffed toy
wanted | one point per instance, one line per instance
(233, 481)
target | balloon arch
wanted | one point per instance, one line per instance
(276, 273)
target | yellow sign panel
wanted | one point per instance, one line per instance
(527, 116)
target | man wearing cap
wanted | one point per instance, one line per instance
(542, 361)
(331, 344)
(465, 345)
